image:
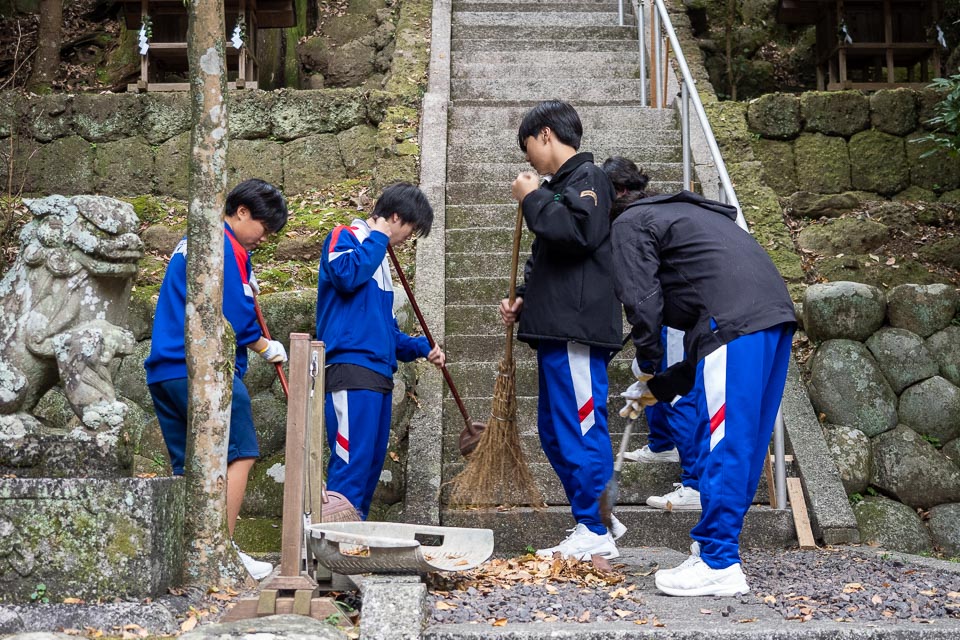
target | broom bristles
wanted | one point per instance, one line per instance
(336, 508)
(496, 473)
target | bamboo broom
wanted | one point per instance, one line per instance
(496, 473)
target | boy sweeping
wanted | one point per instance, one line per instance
(356, 321)
(569, 313)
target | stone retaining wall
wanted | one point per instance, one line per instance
(885, 381)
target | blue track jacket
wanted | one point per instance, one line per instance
(355, 303)
(168, 360)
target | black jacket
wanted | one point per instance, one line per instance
(568, 281)
(681, 260)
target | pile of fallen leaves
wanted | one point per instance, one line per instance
(529, 569)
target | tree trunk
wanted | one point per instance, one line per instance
(209, 558)
(47, 60)
(728, 38)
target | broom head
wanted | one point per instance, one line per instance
(336, 508)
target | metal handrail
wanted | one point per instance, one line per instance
(660, 23)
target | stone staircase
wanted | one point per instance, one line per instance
(505, 58)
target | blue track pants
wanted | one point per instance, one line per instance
(572, 422)
(358, 432)
(743, 385)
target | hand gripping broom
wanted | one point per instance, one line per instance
(496, 473)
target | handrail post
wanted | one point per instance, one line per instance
(655, 58)
(685, 132)
(639, 9)
(620, 7)
(779, 462)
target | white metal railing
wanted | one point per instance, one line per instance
(663, 42)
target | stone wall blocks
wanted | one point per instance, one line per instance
(923, 309)
(844, 235)
(254, 159)
(304, 113)
(932, 408)
(944, 523)
(931, 167)
(173, 167)
(894, 111)
(250, 114)
(45, 118)
(911, 470)
(904, 359)
(847, 386)
(124, 167)
(48, 173)
(823, 163)
(944, 347)
(165, 116)
(850, 450)
(312, 162)
(108, 117)
(778, 165)
(845, 310)
(878, 162)
(775, 115)
(804, 204)
(835, 113)
(892, 525)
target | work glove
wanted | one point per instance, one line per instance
(637, 395)
(274, 353)
(254, 285)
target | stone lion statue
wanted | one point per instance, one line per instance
(62, 308)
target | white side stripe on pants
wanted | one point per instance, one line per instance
(343, 425)
(578, 356)
(715, 388)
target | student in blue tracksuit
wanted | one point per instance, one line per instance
(363, 341)
(254, 210)
(569, 313)
(672, 425)
(681, 260)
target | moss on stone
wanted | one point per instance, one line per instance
(894, 111)
(779, 165)
(931, 167)
(915, 194)
(259, 535)
(149, 209)
(729, 123)
(775, 115)
(823, 163)
(866, 270)
(411, 56)
(878, 162)
(835, 113)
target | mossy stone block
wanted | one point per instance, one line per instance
(894, 111)
(823, 163)
(878, 162)
(915, 194)
(165, 115)
(779, 165)
(950, 197)
(312, 162)
(927, 101)
(64, 166)
(835, 113)
(938, 171)
(250, 114)
(254, 158)
(173, 167)
(46, 117)
(843, 235)
(259, 535)
(395, 169)
(106, 117)
(729, 123)
(358, 148)
(123, 167)
(297, 114)
(775, 115)
(264, 495)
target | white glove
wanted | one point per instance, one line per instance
(254, 285)
(637, 395)
(274, 353)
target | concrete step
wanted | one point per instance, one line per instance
(538, 19)
(541, 45)
(594, 117)
(640, 153)
(504, 172)
(517, 528)
(561, 58)
(551, 33)
(592, 138)
(484, 240)
(581, 6)
(534, 87)
(546, 69)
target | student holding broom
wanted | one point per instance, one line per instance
(254, 210)
(682, 260)
(355, 319)
(569, 313)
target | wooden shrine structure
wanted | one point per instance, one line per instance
(164, 67)
(870, 44)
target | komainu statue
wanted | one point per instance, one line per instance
(63, 307)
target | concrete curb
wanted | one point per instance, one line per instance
(831, 515)
(426, 427)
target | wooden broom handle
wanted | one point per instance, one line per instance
(514, 267)
(426, 332)
(266, 334)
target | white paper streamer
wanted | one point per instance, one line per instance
(236, 40)
(142, 40)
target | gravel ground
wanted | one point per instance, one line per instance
(840, 585)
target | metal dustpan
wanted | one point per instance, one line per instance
(392, 547)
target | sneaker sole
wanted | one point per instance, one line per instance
(713, 590)
(675, 507)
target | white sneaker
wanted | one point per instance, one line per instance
(692, 558)
(644, 454)
(583, 543)
(617, 528)
(680, 499)
(698, 579)
(256, 568)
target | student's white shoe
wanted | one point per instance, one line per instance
(644, 454)
(698, 579)
(692, 558)
(583, 543)
(680, 499)
(256, 568)
(617, 528)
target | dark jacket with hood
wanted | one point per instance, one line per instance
(568, 281)
(681, 260)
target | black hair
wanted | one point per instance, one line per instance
(629, 182)
(264, 201)
(408, 202)
(559, 116)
